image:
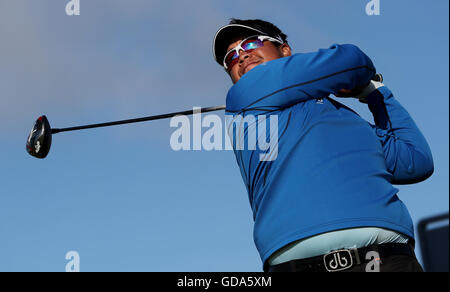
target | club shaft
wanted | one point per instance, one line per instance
(138, 120)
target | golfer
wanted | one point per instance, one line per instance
(327, 202)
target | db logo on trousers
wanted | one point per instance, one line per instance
(338, 260)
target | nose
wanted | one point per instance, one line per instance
(243, 55)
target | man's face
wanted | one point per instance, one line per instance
(249, 60)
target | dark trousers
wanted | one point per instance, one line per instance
(391, 258)
(391, 264)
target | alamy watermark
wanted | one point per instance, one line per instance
(373, 7)
(73, 7)
(374, 265)
(247, 132)
(73, 264)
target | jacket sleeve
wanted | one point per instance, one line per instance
(300, 77)
(407, 154)
(330, 70)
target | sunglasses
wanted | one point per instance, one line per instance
(247, 45)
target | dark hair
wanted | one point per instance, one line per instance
(263, 26)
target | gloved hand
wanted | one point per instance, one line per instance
(362, 92)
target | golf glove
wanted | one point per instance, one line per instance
(362, 92)
(374, 84)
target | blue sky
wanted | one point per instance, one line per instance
(120, 196)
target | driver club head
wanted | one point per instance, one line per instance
(40, 138)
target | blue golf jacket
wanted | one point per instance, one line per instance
(333, 169)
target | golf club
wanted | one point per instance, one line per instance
(40, 138)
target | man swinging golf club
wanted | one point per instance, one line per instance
(327, 203)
